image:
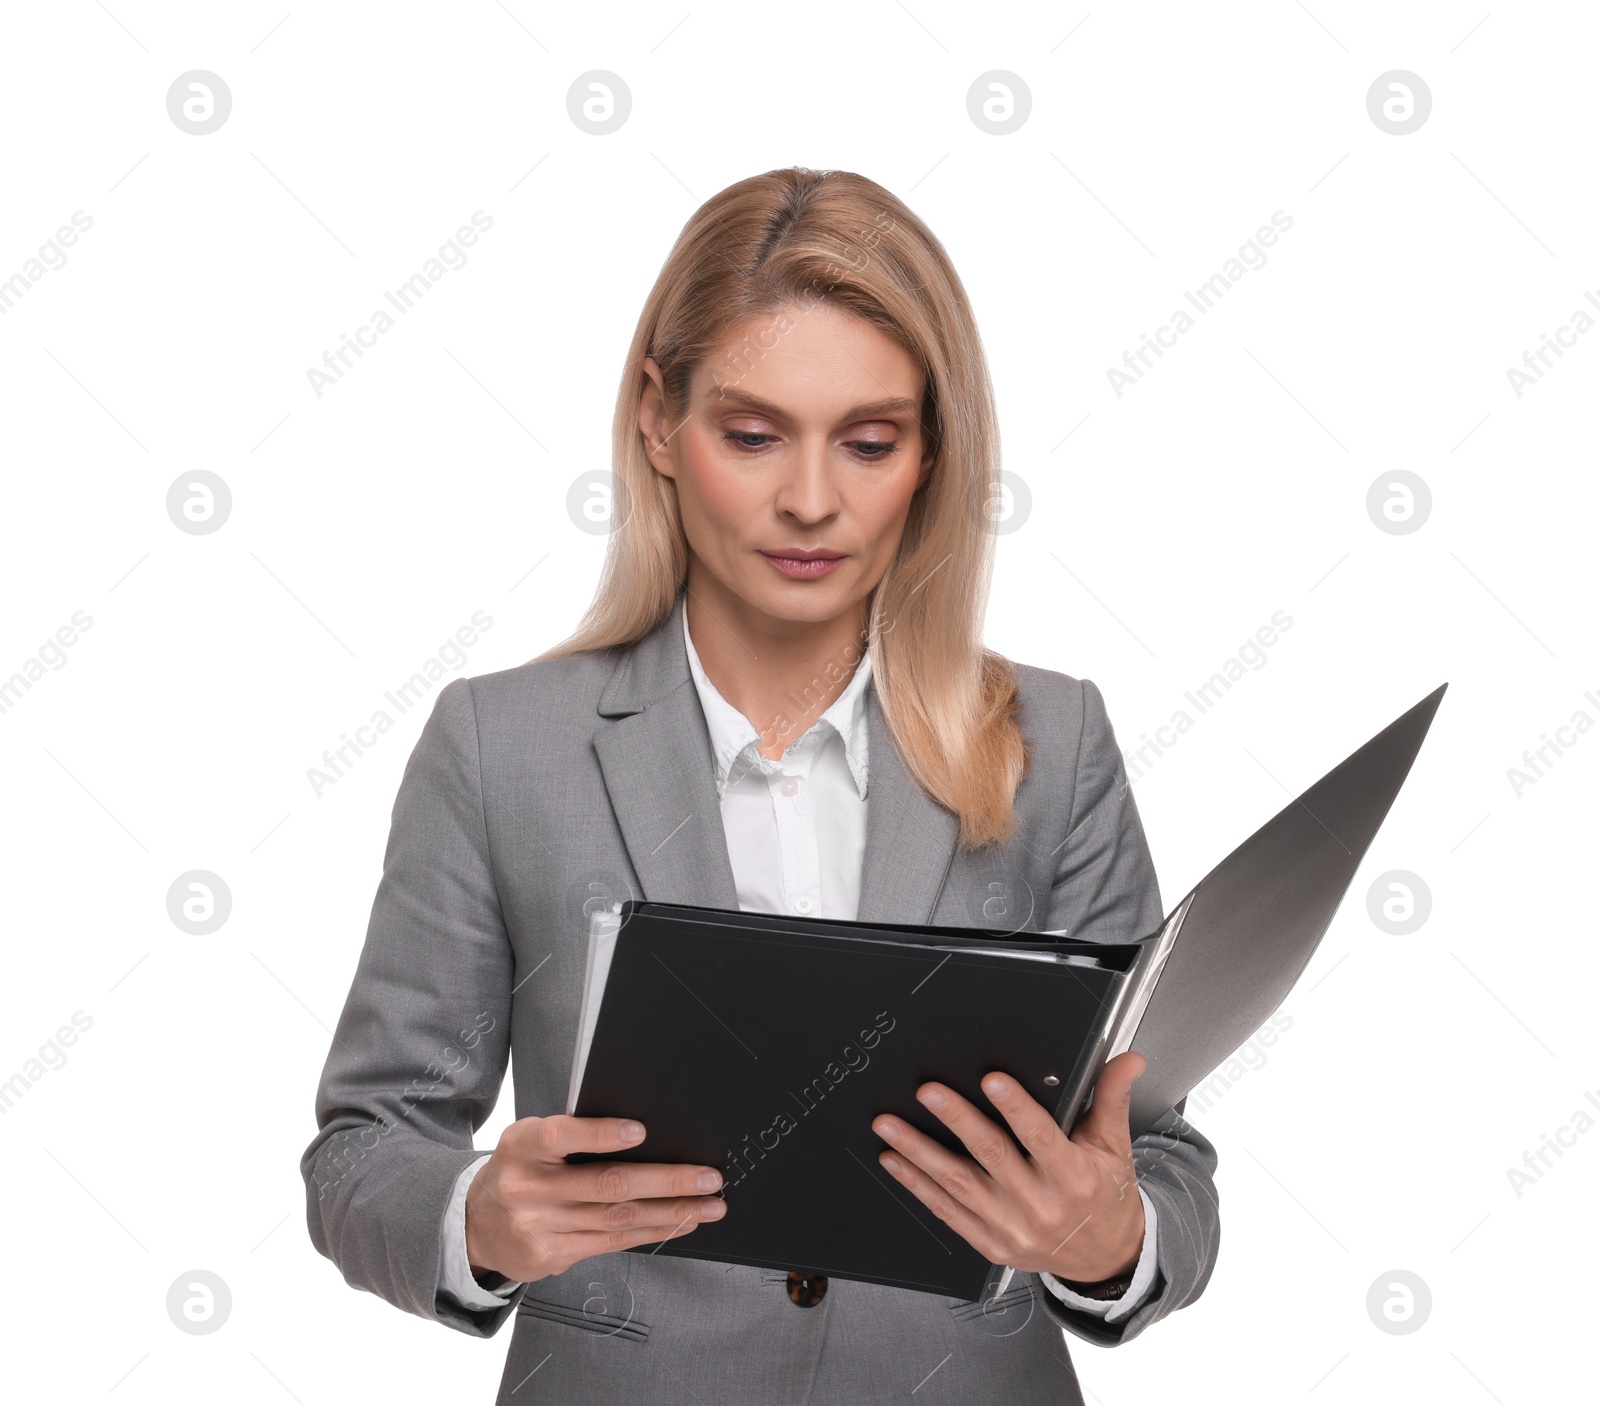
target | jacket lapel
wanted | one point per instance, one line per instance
(911, 838)
(655, 756)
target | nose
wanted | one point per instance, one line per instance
(808, 490)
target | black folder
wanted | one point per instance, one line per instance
(765, 1045)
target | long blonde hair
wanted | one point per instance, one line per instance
(757, 247)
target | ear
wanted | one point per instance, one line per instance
(653, 420)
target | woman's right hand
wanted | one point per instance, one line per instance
(531, 1214)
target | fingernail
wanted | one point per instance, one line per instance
(889, 1162)
(631, 1131)
(708, 1181)
(997, 1089)
(887, 1131)
(932, 1099)
(713, 1210)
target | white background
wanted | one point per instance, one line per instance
(430, 482)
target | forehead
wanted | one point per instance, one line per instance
(808, 355)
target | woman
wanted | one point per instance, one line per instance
(778, 701)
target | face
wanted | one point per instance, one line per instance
(797, 462)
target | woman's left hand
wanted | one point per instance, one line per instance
(1069, 1207)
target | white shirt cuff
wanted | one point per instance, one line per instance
(455, 1269)
(1144, 1278)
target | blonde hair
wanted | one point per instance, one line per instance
(759, 246)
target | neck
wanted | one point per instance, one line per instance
(781, 674)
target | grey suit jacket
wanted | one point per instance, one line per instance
(538, 791)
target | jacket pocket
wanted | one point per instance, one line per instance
(1005, 1315)
(590, 1317)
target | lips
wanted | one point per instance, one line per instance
(804, 563)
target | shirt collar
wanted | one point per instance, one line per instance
(732, 734)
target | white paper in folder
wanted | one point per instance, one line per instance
(603, 928)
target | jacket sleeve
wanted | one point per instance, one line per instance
(423, 1041)
(1105, 890)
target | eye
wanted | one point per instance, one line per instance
(753, 441)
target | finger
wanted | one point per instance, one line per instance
(961, 1177)
(582, 1245)
(659, 1214)
(1035, 1126)
(985, 1139)
(566, 1234)
(552, 1138)
(970, 1227)
(631, 1181)
(1106, 1124)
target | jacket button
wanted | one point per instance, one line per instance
(807, 1290)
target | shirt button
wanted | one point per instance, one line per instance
(790, 785)
(802, 905)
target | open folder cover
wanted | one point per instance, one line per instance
(765, 1045)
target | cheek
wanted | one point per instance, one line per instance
(718, 492)
(883, 506)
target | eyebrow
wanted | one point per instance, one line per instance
(871, 410)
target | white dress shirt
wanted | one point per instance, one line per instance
(796, 831)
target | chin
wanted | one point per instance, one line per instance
(803, 601)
